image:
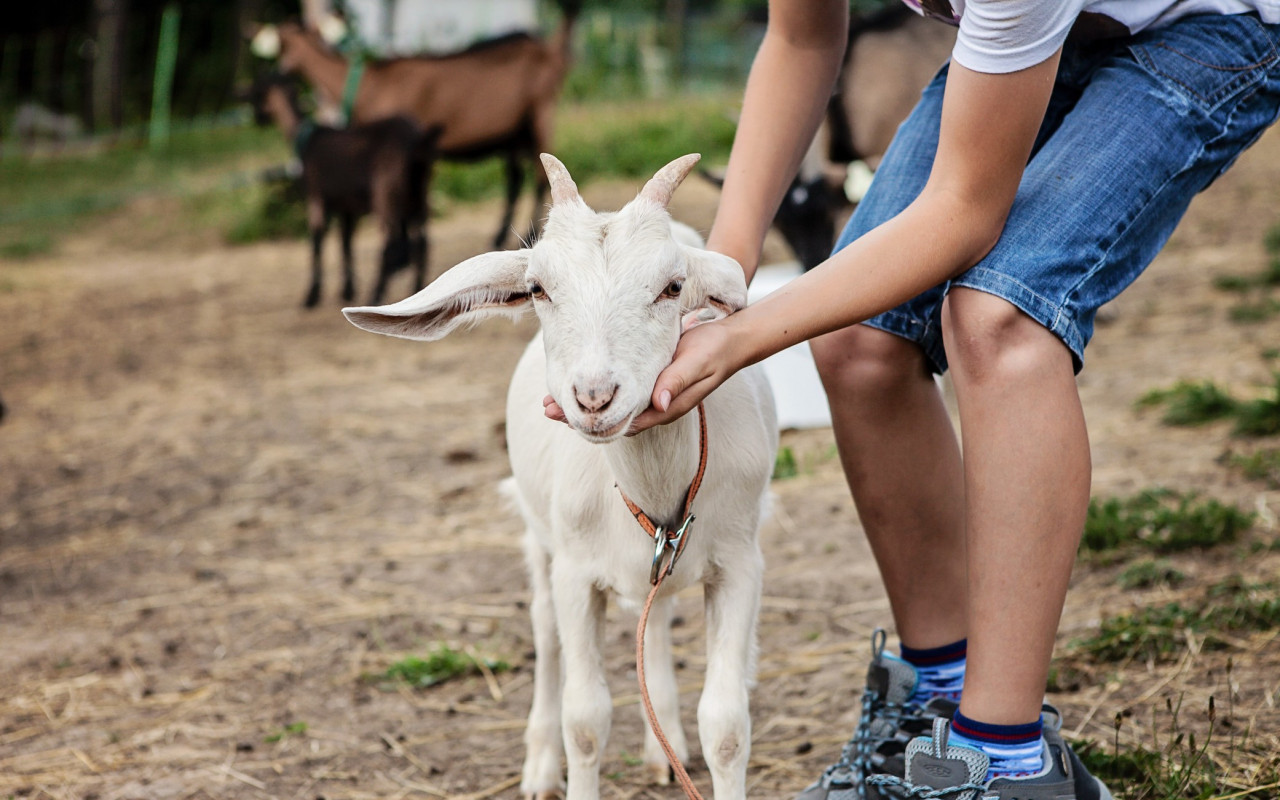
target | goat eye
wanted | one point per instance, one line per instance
(537, 292)
(673, 289)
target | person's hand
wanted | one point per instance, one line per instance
(700, 364)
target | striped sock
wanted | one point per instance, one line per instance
(940, 671)
(1015, 750)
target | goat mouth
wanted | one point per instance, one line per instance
(601, 433)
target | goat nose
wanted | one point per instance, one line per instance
(594, 399)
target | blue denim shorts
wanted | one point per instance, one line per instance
(1134, 129)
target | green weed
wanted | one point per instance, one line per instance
(1191, 402)
(1261, 465)
(1254, 312)
(267, 211)
(1160, 633)
(1233, 283)
(1162, 521)
(296, 729)
(441, 664)
(26, 245)
(784, 464)
(1145, 574)
(1260, 417)
(1271, 241)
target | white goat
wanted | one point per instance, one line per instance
(611, 291)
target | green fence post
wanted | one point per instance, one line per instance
(162, 91)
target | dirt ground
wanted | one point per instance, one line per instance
(219, 513)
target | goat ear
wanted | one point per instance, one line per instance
(714, 281)
(492, 284)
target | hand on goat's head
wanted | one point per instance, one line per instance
(611, 290)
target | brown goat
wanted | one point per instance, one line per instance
(498, 97)
(381, 167)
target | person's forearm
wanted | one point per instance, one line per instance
(786, 95)
(889, 265)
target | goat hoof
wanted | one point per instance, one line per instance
(545, 794)
(660, 774)
(312, 300)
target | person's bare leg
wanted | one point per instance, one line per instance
(902, 463)
(1026, 478)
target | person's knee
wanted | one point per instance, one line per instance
(989, 339)
(860, 360)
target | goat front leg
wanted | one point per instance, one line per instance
(542, 776)
(660, 675)
(724, 719)
(318, 224)
(586, 708)
(348, 223)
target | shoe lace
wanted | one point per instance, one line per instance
(878, 723)
(904, 789)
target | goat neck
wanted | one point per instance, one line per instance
(323, 69)
(656, 466)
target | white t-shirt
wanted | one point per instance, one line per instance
(1008, 35)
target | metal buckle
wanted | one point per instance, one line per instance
(663, 541)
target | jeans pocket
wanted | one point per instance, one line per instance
(1209, 59)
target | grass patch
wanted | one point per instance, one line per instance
(1179, 765)
(1200, 402)
(1261, 465)
(1260, 417)
(26, 246)
(784, 464)
(1191, 402)
(1255, 312)
(1161, 521)
(1146, 574)
(1160, 633)
(441, 664)
(43, 197)
(296, 729)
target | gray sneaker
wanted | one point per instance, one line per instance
(887, 724)
(935, 769)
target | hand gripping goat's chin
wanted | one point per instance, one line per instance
(657, 413)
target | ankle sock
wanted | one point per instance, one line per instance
(1014, 750)
(940, 671)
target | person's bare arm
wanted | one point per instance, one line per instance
(989, 124)
(785, 99)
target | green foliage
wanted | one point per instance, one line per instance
(441, 664)
(1145, 574)
(1162, 521)
(1191, 402)
(296, 729)
(1159, 633)
(1261, 465)
(1260, 417)
(1272, 240)
(784, 465)
(267, 211)
(24, 246)
(1258, 311)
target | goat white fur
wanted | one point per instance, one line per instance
(611, 291)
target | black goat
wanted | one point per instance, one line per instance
(383, 167)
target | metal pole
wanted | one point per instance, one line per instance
(162, 90)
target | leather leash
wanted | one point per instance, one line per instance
(674, 541)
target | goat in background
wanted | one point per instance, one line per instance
(497, 97)
(382, 167)
(891, 56)
(612, 291)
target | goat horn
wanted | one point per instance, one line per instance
(663, 184)
(563, 189)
